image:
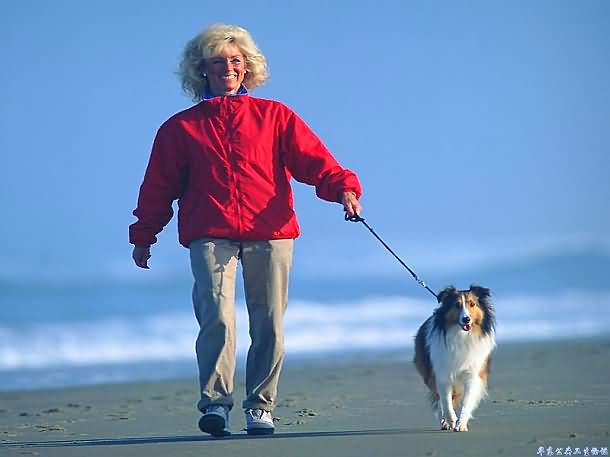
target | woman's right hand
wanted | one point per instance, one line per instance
(140, 255)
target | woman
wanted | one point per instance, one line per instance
(228, 160)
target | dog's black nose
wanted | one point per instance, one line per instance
(466, 320)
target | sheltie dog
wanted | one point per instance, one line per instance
(453, 353)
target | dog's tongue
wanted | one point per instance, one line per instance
(466, 327)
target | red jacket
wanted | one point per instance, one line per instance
(228, 161)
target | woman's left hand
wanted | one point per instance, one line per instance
(350, 203)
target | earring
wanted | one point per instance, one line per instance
(204, 75)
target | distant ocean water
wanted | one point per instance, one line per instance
(59, 334)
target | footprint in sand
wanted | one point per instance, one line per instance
(301, 414)
(51, 411)
(541, 403)
(306, 412)
(49, 428)
(118, 417)
(290, 423)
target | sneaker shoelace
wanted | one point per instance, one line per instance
(258, 413)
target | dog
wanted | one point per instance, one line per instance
(453, 350)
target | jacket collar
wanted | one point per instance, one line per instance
(242, 91)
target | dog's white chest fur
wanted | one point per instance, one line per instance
(457, 354)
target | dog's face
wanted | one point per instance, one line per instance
(470, 310)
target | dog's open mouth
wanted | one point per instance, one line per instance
(466, 327)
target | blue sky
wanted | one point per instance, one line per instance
(479, 129)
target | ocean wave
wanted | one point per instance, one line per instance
(310, 328)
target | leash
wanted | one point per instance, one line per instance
(356, 218)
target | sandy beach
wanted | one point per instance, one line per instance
(543, 394)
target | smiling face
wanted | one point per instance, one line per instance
(225, 71)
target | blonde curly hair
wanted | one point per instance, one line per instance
(209, 43)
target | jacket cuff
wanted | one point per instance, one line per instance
(356, 192)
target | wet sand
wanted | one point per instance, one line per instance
(549, 394)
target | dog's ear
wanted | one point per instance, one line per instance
(482, 293)
(446, 292)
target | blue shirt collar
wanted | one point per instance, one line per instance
(242, 91)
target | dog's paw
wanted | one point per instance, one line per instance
(461, 427)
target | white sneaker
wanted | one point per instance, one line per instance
(259, 422)
(215, 420)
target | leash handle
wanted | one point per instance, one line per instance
(356, 218)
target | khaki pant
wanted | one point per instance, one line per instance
(266, 266)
